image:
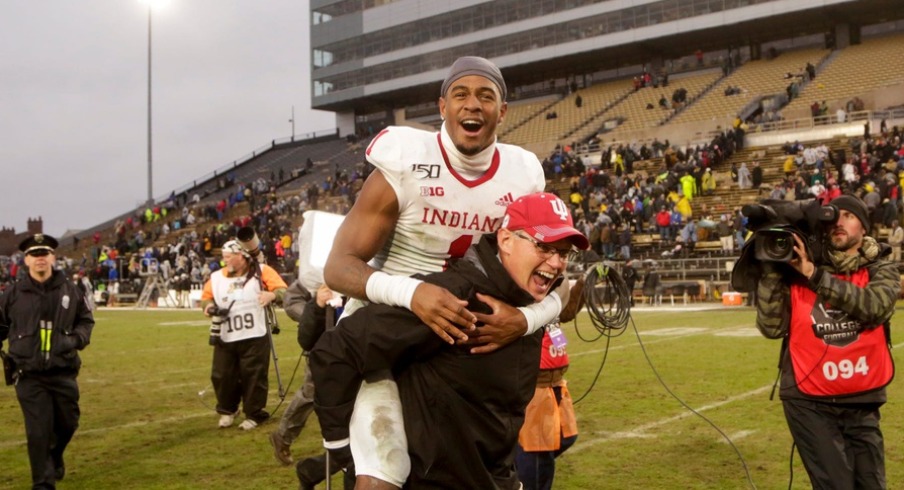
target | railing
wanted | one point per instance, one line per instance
(200, 180)
(245, 158)
(704, 136)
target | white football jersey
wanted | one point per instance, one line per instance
(442, 213)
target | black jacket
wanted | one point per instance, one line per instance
(58, 303)
(462, 411)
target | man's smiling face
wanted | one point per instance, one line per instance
(472, 108)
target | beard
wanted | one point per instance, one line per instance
(469, 151)
(843, 243)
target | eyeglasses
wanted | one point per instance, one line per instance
(547, 251)
(38, 253)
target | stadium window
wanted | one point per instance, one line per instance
(322, 88)
(322, 58)
(320, 18)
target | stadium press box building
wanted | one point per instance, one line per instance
(376, 62)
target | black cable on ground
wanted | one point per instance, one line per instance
(608, 303)
(685, 405)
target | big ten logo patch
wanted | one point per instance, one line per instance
(428, 191)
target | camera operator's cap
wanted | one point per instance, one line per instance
(474, 65)
(233, 246)
(544, 217)
(34, 244)
(854, 205)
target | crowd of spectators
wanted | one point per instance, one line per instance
(182, 236)
(611, 201)
(871, 168)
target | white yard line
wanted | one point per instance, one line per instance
(583, 443)
(641, 430)
(142, 423)
(657, 341)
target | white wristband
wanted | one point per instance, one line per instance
(542, 313)
(386, 289)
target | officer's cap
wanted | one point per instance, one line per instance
(37, 242)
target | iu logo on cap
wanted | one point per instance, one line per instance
(559, 207)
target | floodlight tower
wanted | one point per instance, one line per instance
(151, 5)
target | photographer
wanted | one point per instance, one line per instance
(235, 298)
(833, 316)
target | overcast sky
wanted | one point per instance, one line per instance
(73, 99)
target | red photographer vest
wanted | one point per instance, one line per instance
(833, 354)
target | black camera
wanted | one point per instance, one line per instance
(774, 244)
(219, 311)
(775, 223)
(218, 316)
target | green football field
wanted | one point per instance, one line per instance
(147, 418)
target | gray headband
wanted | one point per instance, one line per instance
(474, 65)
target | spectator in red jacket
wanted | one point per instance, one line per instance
(664, 221)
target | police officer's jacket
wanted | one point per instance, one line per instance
(57, 307)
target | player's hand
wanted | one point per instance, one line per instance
(801, 261)
(445, 314)
(207, 309)
(500, 328)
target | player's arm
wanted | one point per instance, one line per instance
(362, 234)
(508, 323)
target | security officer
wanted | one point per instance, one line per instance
(47, 321)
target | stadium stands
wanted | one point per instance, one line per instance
(519, 112)
(854, 71)
(569, 117)
(840, 76)
(635, 114)
(755, 79)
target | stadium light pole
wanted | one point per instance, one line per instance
(150, 145)
(292, 120)
(151, 5)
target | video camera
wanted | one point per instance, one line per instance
(775, 223)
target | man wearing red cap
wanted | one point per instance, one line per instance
(47, 321)
(431, 196)
(483, 397)
(833, 315)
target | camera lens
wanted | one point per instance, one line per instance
(778, 247)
